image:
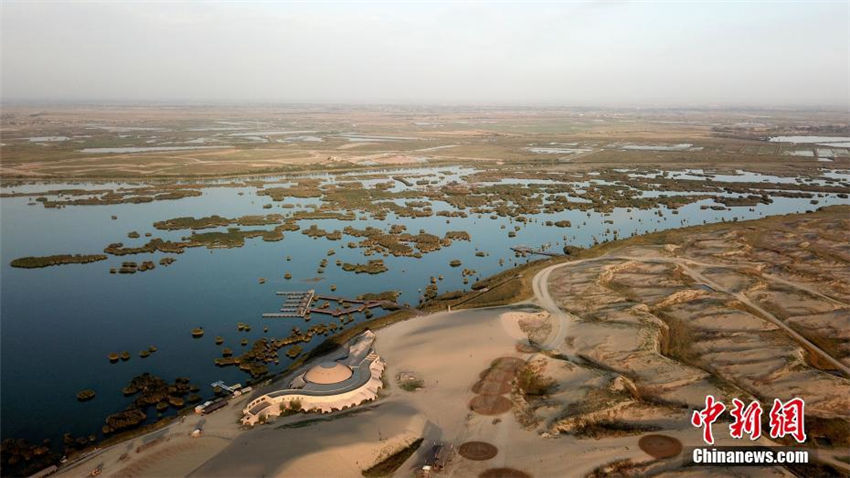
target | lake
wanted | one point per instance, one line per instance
(59, 323)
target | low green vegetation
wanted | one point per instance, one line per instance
(303, 188)
(457, 235)
(34, 262)
(531, 381)
(214, 221)
(610, 428)
(167, 261)
(233, 237)
(154, 245)
(292, 408)
(264, 351)
(387, 295)
(411, 384)
(374, 266)
(62, 198)
(149, 391)
(192, 223)
(85, 395)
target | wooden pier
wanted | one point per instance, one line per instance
(295, 304)
(334, 298)
(360, 306)
(301, 304)
(349, 310)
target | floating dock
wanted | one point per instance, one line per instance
(231, 389)
(295, 304)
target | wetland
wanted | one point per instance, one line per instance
(370, 223)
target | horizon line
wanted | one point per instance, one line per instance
(826, 106)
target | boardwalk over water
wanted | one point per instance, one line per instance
(360, 305)
(295, 304)
(300, 304)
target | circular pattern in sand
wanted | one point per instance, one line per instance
(503, 473)
(490, 404)
(477, 450)
(496, 375)
(491, 387)
(660, 446)
(508, 363)
(495, 381)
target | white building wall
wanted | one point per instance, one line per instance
(322, 404)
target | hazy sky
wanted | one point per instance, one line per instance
(582, 53)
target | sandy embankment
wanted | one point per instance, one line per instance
(170, 451)
(449, 351)
(446, 350)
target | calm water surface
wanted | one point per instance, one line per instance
(59, 323)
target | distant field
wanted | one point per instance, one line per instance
(131, 142)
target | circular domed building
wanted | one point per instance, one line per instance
(327, 373)
(346, 380)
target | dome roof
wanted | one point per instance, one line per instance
(328, 372)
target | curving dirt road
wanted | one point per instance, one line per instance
(562, 320)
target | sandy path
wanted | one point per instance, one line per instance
(562, 319)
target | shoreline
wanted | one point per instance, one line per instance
(523, 275)
(786, 166)
(314, 168)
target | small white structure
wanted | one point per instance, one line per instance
(199, 409)
(346, 381)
